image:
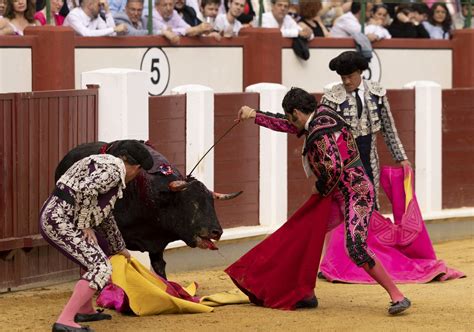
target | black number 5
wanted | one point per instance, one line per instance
(155, 69)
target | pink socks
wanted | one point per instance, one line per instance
(87, 308)
(380, 275)
(80, 298)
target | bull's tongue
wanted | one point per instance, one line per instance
(210, 245)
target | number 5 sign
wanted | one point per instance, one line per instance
(156, 63)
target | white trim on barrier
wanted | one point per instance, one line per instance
(428, 144)
(273, 166)
(199, 130)
(123, 102)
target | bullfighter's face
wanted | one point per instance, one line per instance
(352, 81)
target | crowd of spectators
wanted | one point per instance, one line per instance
(225, 18)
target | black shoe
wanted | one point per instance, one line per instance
(311, 302)
(321, 275)
(99, 315)
(398, 307)
(57, 327)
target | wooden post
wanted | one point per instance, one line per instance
(52, 58)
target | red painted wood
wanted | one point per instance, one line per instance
(167, 128)
(236, 165)
(37, 128)
(458, 148)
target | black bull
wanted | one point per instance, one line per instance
(159, 206)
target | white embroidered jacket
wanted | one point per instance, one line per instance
(375, 116)
(97, 181)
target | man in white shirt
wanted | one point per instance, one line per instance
(227, 24)
(279, 18)
(85, 20)
(170, 24)
(348, 24)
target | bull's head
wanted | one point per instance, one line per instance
(195, 203)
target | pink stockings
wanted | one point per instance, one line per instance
(379, 274)
(80, 300)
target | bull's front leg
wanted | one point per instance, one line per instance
(158, 263)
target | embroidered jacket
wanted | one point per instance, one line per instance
(375, 116)
(329, 146)
(97, 182)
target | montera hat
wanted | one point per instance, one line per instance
(348, 62)
(134, 151)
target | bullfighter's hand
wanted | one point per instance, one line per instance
(405, 163)
(245, 113)
(89, 235)
(124, 252)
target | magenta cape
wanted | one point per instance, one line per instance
(282, 269)
(403, 246)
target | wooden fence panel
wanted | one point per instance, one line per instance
(38, 130)
(167, 128)
(236, 165)
(458, 148)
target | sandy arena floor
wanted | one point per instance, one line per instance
(436, 306)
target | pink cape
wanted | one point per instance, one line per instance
(281, 270)
(404, 247)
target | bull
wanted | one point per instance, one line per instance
(159, 206)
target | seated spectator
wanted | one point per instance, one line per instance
(55, 7)
(459, 19)
(294, 11)
(187, 13)
(132, 18)
(309, 13)
(86, 21)
(406, 25)
(330, 11)
(278, 18)
(168, 22)
(421, 11)
(377, 22)
(227, 24)
(191, 3)
(2, 8)
(18, 15)
(347, 25)
(209, 10)
(439, 23)
(248, 14)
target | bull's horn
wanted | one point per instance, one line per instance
(225, 196)
(178, 185)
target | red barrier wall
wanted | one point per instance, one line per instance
(167, 128)
(236, 161)
(458, 148)
(38, 130)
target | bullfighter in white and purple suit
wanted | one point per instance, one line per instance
(81, 205)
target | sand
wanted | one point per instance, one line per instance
(437, 306)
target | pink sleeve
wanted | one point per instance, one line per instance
(39, 16)
(276, 122)
(59, 19)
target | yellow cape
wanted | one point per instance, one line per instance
(147, 294)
